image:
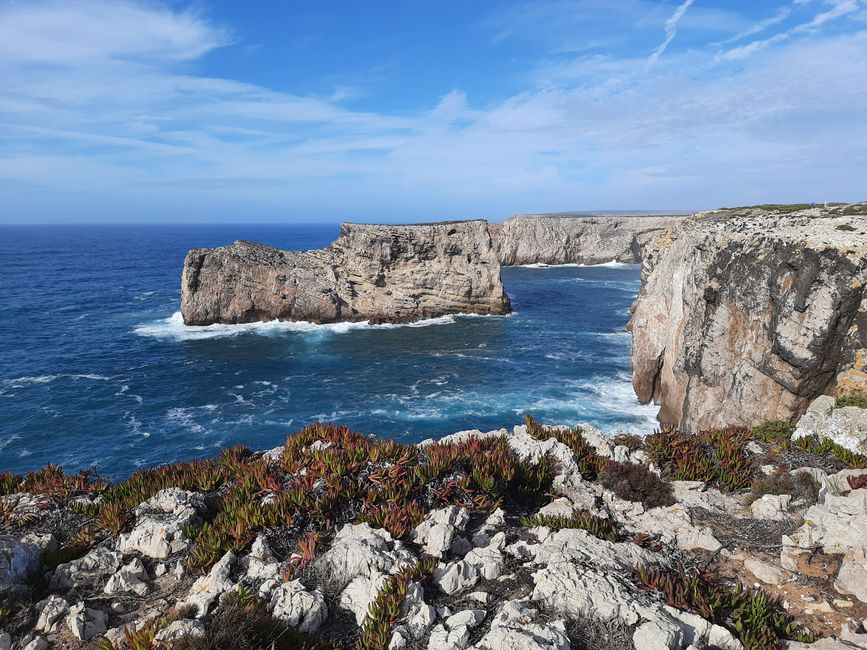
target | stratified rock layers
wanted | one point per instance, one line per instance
(376, 273)
(545, 239)
(746, 318)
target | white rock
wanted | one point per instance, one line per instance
(157, 532)
(37, 643)
(209, 587)
(293, 603)
(658, 634)
(488, 562)
(767, 573)
(361, 558)
(131, 578)
(852, 578)
(84, 623)
(845, 426)
(180, 629)
(513, 628)
(438, 530)
(455, 576)
(454, 632)
(771, 506)
(261, 563)
(46, 542)
(417, 615)
(52, 611)
(273, 456)
(160, 569)
(18, 560)
(5, 641)
(560, 507)
(88, 571)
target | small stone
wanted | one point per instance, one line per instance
(479, 596)
(774, 507)
(765, 572)
(160, 570)
(455, 576)
(179, 629)
(5, 641)
(37, 643)
(209, 587)
(52, 612)
(131, 578)
(85, 623)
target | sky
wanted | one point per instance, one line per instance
(280, 111)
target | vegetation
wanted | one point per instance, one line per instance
(852, 399)
(635, 482)
(248, 627)
(384, 611)
(629, 440)
(801, 485)
(717, 456)
(754, 617)
(826, 447)
(596, 526)
(774, 431)
(589, 462)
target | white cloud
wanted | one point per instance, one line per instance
(120, 122)
(670, 31)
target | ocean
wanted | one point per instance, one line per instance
(97, 369)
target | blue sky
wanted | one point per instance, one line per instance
(425, 109)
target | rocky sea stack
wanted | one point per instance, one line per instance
(376, 273)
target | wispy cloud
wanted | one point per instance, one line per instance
(116, 116)
(670, 31)
(838, 9)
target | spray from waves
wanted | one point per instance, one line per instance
(173, 327)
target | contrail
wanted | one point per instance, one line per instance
(670, 31)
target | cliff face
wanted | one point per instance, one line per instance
(385, 273)
(748, 315)
(576, 240)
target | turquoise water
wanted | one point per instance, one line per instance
(97, 369)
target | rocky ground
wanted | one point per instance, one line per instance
(543, 537)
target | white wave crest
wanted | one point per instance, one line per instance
(173, 327)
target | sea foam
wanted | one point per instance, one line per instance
(173, 327)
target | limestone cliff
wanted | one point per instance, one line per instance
(747, 315)
(377, 273)
(552, 239)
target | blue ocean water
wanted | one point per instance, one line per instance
(96, 367)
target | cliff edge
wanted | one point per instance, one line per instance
(560, 239)
(377, 273)
(747, 315)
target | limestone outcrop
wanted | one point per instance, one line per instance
(748, 315)
(376, 273)
(555, 239)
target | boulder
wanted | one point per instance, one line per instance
(516, 626)
(18, 561)
(159, 521)
(91, 571)
(209, 587)
(437, 532)
(176, 630)
(774, 507)
(361, 558)
(454, 632)
(293, 603)
(52, 612)
(85, 623)
(845, 426)
(132, 578)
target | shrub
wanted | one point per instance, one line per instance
(801, 485)
(629, 440)
(384, 611)
(826, 447)
(248, 627)
(596, 526)
(717, 456)
(852, 399)
(754, 617)
(589, 462)
(635, 482)
(777, 431)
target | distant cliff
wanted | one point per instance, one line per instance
(747, 315)
(544, 239)
(377, 273)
